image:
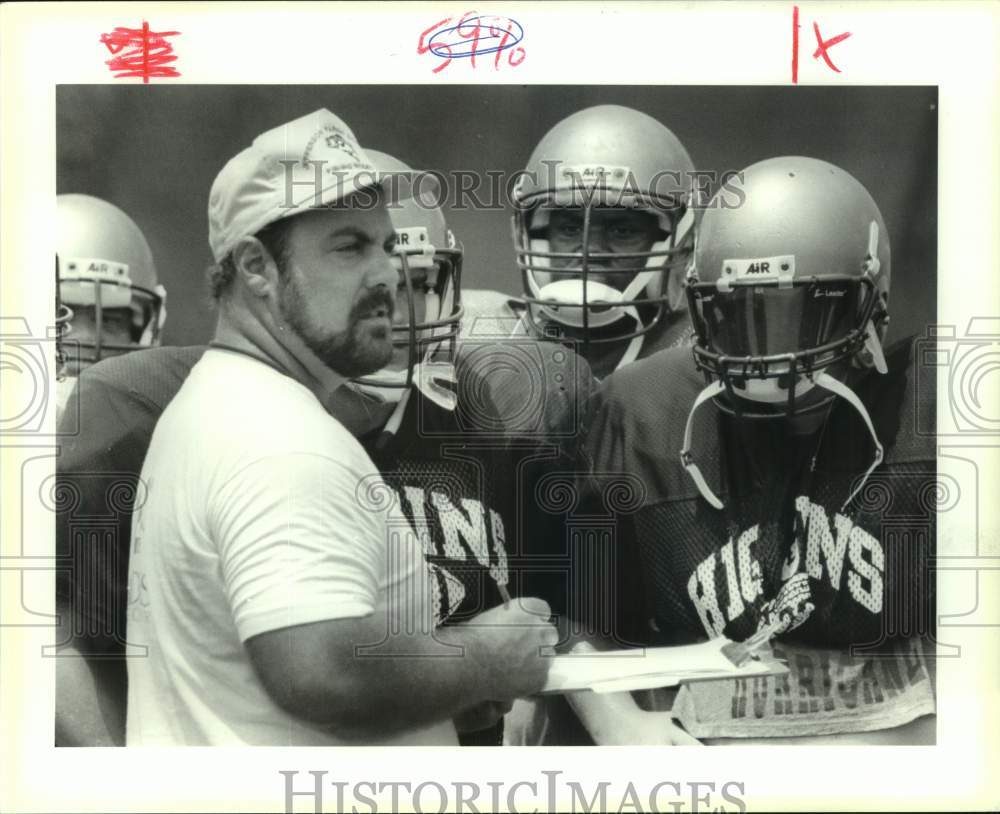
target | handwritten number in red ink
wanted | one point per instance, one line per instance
(822, 49)
(474, 35)
(149, 55)
(503, 41)
(465, 18)
(423, 47)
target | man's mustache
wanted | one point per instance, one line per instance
(372, 303)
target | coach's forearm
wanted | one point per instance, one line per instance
(409, 682)
(329, 674)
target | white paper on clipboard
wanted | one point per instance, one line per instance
(646, 668)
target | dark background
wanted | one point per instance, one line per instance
(154, 152)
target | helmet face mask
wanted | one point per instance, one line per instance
(100, 330)
(64, 316)
(429, 261)
(106, 277)
(434, 282)
(597, 165)
(744, 334)
(591, 290)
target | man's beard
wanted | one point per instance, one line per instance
(351, 353)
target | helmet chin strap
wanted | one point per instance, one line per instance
(687, 461)
(874, 347)
(821, 379)
(634, 346)
(840, 389)
(384, 385)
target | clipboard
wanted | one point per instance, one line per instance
(605, 671)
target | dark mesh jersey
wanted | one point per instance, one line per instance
(540, 392)
(850, 583)
(108, 422)
(468, 481)
(453, 490)
(783, 541)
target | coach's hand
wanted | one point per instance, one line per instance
(514, 645)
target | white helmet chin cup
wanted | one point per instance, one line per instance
(564, 303)
(648, 281)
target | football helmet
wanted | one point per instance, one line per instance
(104, 262)
(786, 293)
(429, 261)
(601, 158)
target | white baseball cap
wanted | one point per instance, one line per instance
(310, 162)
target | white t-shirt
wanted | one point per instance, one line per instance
(256, 511)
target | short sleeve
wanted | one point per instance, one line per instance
(296, 545)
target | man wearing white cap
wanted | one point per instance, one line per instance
(265, 586)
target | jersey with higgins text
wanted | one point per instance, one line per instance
(845, 585)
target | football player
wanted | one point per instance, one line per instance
(603, 228)
(461, 506)
(108, 287)
(785, 492)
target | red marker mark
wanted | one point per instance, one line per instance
(474, 35)
(148, 56)
(441, 50)
(823, 46)
(795, 45)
